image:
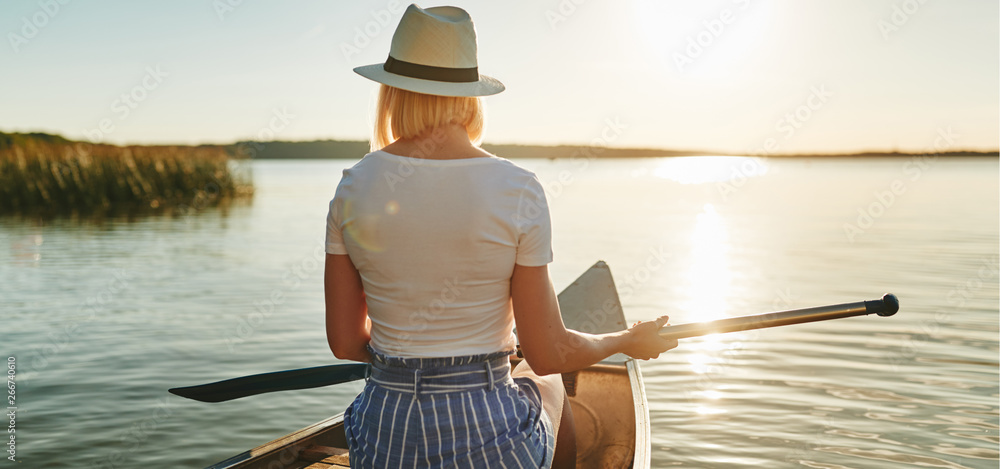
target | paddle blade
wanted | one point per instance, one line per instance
(303, 378)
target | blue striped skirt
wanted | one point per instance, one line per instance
(448, 412)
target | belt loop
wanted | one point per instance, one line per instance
(416, 381)
(489, 375)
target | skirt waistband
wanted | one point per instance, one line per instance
(440, 375)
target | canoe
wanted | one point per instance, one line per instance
(608, 399)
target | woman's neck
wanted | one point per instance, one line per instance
(443, 143)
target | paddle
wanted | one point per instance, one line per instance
(886, 306)
(303, 378)
(315, 377)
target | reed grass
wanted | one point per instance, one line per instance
(52, 176)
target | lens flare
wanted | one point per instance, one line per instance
(392, 207)
(363, 229)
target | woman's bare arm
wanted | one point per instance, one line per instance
(348, 330)
(551, 348)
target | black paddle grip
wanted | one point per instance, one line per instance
(887, 306)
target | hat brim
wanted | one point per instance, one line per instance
(486, 85)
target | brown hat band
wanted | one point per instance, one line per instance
(430, 72)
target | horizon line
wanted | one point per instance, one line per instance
(676, 152)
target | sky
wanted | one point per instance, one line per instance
(733, 76)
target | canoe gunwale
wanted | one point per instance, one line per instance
(290, 441)
(643, 437)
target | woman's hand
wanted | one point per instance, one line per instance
(644, 341)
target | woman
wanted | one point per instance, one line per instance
(436, 249)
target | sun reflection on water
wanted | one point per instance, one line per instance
(706, 169)
(709, 277)
(703, 410)
(709, 283)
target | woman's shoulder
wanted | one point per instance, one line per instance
(359, 171)
(510, 166)
(368, 163)
(381, 164)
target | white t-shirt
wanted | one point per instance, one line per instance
(436, 242)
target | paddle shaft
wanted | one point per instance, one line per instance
(886, 306)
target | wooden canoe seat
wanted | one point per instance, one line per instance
(604, 417)
(323, 457)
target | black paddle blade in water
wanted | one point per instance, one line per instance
(303, 378)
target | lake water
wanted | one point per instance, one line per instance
(102, 318)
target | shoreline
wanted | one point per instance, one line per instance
(355, 149)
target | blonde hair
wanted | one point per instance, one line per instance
(406, 114)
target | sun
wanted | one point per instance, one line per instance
(704, 40)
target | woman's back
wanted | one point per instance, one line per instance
(435, 242)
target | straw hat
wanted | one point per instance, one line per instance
(434, 52)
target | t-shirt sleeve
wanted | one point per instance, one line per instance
(534, 226)
(334, 237)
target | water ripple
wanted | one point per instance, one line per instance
(879, 395)
(886, 455)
